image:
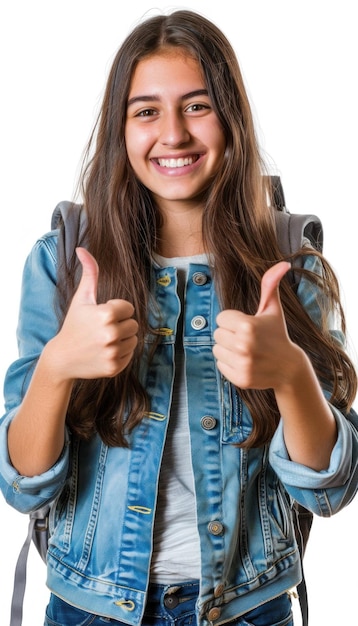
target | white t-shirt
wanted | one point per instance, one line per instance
(176, 550)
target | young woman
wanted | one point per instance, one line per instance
(174, 396)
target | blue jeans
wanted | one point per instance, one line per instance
(170, 605)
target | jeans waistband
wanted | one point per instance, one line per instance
(171, 596)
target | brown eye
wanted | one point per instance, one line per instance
(146, 113)
(198, 107)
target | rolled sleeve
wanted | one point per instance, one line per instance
(29, 493)
(338, 481)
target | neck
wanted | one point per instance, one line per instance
(179, 247)
(180, 234)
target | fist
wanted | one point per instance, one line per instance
(96, 340)
(251, 350)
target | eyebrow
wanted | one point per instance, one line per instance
(155, 98)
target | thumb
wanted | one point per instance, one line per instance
(270, 297)
(87, 288)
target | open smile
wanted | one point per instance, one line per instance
(180, 162)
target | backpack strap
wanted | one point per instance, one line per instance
(302, 522)
(293, 228)
(72, 218)
(38, 533)
(18, 594)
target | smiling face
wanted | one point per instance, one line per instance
(174, 139)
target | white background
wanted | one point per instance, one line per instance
(299, 60)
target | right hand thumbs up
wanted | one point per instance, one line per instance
(87, 288)
(96, 340)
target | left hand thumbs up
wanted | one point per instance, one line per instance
(270, 302)
(251, 349)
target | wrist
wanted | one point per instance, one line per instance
(296, 372)
(53, 363)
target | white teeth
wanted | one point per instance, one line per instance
(176, 162)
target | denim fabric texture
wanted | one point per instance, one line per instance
(243, 497)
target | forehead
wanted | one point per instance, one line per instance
(170, 66)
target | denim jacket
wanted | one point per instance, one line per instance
(105, 498)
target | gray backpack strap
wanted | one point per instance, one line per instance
(20, 579)
(293, 228)
(74, 217)
(38, 533)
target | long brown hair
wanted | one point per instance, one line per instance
(238, 232)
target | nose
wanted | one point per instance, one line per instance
(173, 130)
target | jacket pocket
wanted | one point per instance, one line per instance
(237, 421)
(279, 509)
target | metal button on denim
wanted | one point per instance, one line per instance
(171, 601)
(208, 422)
(215, 528)
(219, 590)
(214, 614)
(199, 278)
(198, 322)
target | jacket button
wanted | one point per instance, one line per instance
(199, 278)
(219, 590)
(171, 601)
(215, 528)
(208, 422)
(214, 614)
(198, 322)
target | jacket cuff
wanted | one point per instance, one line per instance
(297, 475)
(28, 493)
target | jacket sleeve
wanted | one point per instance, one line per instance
(328, 491)
(37, 324)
